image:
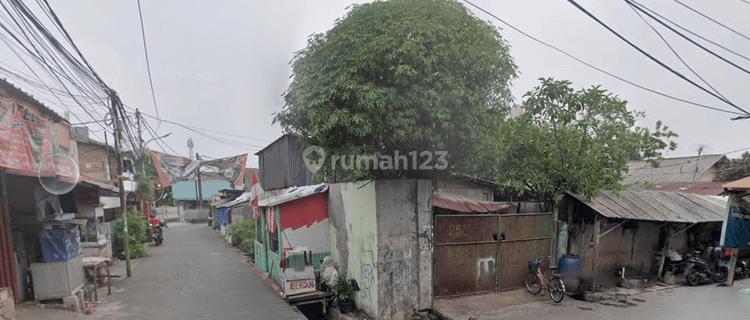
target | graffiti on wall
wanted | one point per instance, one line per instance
(367, 277)
(398, 267)
(485, 267)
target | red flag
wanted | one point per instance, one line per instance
(255, 190)
(270, 219)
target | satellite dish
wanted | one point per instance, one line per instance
(58, 174)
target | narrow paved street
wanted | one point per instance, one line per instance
(194, 274)
(709, 301)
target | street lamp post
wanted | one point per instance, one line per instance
(143, 147)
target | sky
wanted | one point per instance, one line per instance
(223, 65)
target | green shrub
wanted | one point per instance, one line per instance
(137, 226)
(342, 290)
(243, 234)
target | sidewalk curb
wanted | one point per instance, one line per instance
(265, 278)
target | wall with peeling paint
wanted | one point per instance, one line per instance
(353, 238)
(633, 247)
(398, 247)
(363, 244)
(381, 234)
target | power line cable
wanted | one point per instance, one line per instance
(189, 127)
(599, 69)
(713, 20)
(34, 72)
(54, 74)
(675, 52)
(148, 64)
(657, 61)
(692, 32)
(632, 5)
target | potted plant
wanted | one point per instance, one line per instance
(343, 293)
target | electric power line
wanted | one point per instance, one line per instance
(692, 32)
(599, 69)
(713, 20)
(675, 52)
(657, 61)
(631, 3)
(148, 64)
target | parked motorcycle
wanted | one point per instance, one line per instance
(210, 220)
(158, 233)
(699, 270)
(742, 269)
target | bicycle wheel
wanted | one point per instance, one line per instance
(556, 290)
(532, 282)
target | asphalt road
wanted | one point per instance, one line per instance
(709, 301)
(194, 274)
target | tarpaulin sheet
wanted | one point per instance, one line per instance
(735, 233)
(27, 138)
(60, 244)
(224, 215)
(172, 169)
(231, 169)
(466, 205)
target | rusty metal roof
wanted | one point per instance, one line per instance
(672, 169)
(701, 188)
(652, 205)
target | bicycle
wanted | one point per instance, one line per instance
(535, 280)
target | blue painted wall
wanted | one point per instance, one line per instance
(185, 190)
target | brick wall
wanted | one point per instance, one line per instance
(92, 161)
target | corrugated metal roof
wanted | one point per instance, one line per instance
(671, 169)
(743, 183)
(654, 205)
(102, 185)
(290, 194)
(281, 165)
(701, 188)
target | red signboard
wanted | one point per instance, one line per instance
(27, 138)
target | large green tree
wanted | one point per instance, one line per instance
(572, 140)
(734, 169)
(401, 75)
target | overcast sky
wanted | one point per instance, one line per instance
(223, 65)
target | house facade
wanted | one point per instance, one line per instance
(632, 230)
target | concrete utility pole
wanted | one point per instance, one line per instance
(115, 103)
(200, 185)
(141, 145)
(700, 150)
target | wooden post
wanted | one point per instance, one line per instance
(732, 267)
(667, 244)
(555, 234)
(597, 222)
(7, 256)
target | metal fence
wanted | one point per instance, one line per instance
(178, 213)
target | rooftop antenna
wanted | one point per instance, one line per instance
(701, 148)
(190, 145)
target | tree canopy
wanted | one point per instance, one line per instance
(734, 169)
(401, 75)
(568, 140)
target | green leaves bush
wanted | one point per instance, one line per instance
(343, 290)
(243, 234)
(137, 226)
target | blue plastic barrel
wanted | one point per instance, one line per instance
(570, 264)
(570, 269)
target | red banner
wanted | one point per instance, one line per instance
(27, 138)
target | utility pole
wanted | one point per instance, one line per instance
(700, 150)
(115, 102)
(140, 141)
(200, 185)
